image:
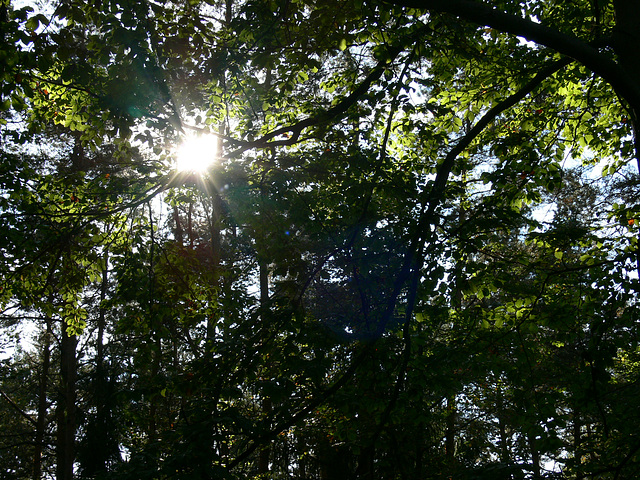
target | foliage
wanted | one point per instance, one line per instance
(416, 257)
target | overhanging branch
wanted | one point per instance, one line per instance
(294, 131)
(485, 15)
(414, 258)
(437, 191)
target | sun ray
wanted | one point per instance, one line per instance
(196, 153)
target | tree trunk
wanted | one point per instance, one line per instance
(301, 447)
(365, 469)
(627, 36)
(577, 443)
(627, 47)
(156, 356)
(66, 408)
(450, 435)
(333, 462)
(502, 429)
(419, 451)
(535, 455)
(215, 224)
(178, 232)
(265, 452)
(101, 388)
(42, 403)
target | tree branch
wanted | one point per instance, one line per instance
(484, 14)
(446, 166)
(414, 258)
(305, 411)
(294, 131)
(18, 409)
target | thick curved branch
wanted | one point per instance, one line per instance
(333, 113)
(414, 258)
(437, 191)
(484, 14)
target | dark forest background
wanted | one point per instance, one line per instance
(414, 255)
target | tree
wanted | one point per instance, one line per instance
(366, 284)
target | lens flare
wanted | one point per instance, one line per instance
(197, 153)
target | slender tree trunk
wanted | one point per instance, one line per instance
(156, 339)
(450, 435)
(419, 451)
(577, 443)
(178, 232)
(42, 402)
(504, 442)
(365, 469)
(535, 455)
(216, 256)
(502, 429)
(301, 447)
(101, 388)
(265, 452)
(215, 233)
(153, 402)
(450, 422)
(190, 224)
(66, 408)
(333, 463)
(627, 47)
(66, 402)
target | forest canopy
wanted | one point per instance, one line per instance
(410, 250)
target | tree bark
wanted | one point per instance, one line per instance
(450, 435)
(365, 469)
(483, 14)
(42, 402)
(101, 387)
(535, 455)
(66, 407)
(265, 452)
(577, 443)
(502, 428)
(627, 37)
(627, 48)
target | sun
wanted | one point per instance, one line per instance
(196, 153)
